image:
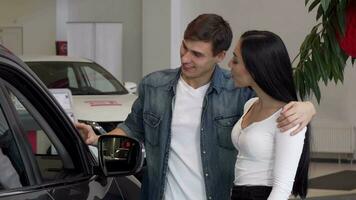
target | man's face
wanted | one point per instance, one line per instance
(198, 60)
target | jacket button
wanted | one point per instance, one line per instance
(204, 152)
(206, 174)
(210, 197)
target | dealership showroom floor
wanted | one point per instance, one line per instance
(331, 181)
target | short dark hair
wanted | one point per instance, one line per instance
(266, 59)
(210, 28)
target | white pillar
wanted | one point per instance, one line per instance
(61, 20)
(176, 32)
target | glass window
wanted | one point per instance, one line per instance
(52, 74)
(73, 83)
(81, 78)
(11, 165)
(42, 140)
(98, 81)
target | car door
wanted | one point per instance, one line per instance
(43, 147)
(13, 166)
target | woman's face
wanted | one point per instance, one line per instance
(241, 76)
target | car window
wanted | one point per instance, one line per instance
(12, 171)
(52, 158)
(73, 82)
(41, 145)
(97, 80)
(54, 75)
(80, 77)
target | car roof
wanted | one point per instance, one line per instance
(52, 58)
(8, 56)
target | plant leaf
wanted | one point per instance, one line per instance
(304, 48)
(335, 72)
(328, 57)
(338, 54)
(301, 85)
(316, 91)
(319, 13)
(336, 69)
(325, 4)
(341, 19)
(323, 66)
(319, 63)
(343, 3)
(309, 75)
(312, 5)
(330, 38)
(320, 55)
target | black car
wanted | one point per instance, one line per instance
(44, 155)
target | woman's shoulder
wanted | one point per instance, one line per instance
(249, 103)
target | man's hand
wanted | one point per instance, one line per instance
(296, 113)
(87, 133)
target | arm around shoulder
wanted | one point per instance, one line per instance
(296, 113)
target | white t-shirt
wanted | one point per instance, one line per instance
(8, 175)
(185, 178)
(267, 156)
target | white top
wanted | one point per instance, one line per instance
(185, 178)
(267, 156)
(8, 175)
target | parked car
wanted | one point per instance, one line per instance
(99, 98)
(31, 120)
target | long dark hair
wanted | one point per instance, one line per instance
(266, 59)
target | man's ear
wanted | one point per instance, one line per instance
(220, 56)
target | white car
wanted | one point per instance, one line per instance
(99, 98)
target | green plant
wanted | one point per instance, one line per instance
(320, 56)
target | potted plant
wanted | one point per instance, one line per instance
(326, 49)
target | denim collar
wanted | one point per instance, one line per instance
(216, 80)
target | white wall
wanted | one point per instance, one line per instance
(61, 19)
(348, 92)
(156, 35)
(176, 38)
(38, 20)
(338, 106)
(127, 12)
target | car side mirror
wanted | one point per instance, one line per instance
(119, 155)
(131, 87)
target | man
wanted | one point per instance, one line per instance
(184, 117)
(9, 177)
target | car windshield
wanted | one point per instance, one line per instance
(80, 77)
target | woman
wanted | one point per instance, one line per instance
(270, 164)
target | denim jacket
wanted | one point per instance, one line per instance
(150, 122)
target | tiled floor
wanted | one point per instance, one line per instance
(320, 169)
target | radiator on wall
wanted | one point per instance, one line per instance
(326, 139)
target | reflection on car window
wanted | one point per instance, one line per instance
(80, 77)
(97, 80)
(11, 165)
(41, 145)
(73, 82)
(49, 161)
